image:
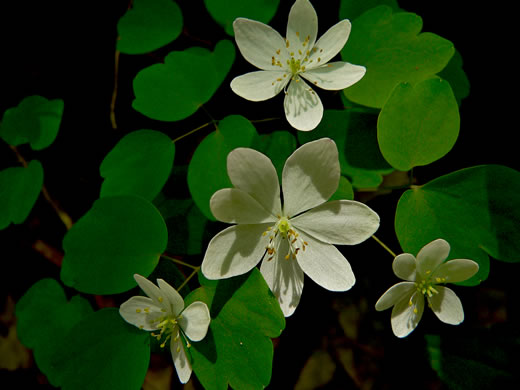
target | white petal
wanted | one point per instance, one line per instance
(325, 264)
(303, 107)
(395, 294)
(431, 256)
(258, 42)
(456, 270)
(133, 312)
(254, 173)
(180, 359)
(195, 320)
(405, 267)
(344, 222)
(284, 278)
(310, 176)
(447, 306)
(173, 297)
(232, 205)
(330, 43)
(335, 75)
(260, 85)
(234, 251)
(152, 291)
(406, 317)
(302, 27)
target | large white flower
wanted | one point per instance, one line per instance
(288, 61)
(423, 276)
(294, 239)
(163, 310)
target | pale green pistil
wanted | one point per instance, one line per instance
(294, 66)
(167, 326)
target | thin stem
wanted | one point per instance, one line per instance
(193, 273)
(384, 246)
(191, 131)
(263, 120)
(114, 92)
(179, 262)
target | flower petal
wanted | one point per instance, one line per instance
(133, 312)
(405, 267)
(180, 359)
(284, 278)
(258, 42)
(325, 264)
(344, 222)
(302, 27)
(396, 293)
(174, 298)
(232, 205)
(310, 176)
(330, 43)
(431, 256)
(335, 75)
(260, 85)
(234, 251)
(406, 317)
(456, 270)
(152, 291)
(303, 107)
(447, 306)
(195, 320)
(254, 173)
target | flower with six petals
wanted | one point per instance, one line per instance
(423, 275)
(294, 239)
(285, 63)
(163, 310)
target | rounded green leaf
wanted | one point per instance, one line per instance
(148, 25)
(102, 352)
(36, 120)
(278, 146)
(187, 79)
(351, 9)
(117, 238)
(139, 164)
(19, 190)
(207, 172)
(418, 124)
(226, 11)
(393, 50)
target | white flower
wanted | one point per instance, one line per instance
(164, 311)
(297, 56)
(292, 240)
(423, 276)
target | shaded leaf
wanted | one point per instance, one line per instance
(278, 146)
(457, 78)
(351, 9)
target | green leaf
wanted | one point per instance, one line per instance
(477, 210)
(455, 75)
(226, 11)
(237, 349)
(393, 50)
(187, 79)
(351, 9)
(278, 146)
(19, 190)
(36, 120)
(44, 316)
(139, 164)
(418, 124)
(148, 25)
(344, 191)
(207, 172)
(102, 352)
(117, 238)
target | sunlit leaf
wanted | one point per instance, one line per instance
(118, 237)
(148, 25)
(19, 190)
(351, 9)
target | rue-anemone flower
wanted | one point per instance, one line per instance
(286, 62)
(294, 239)
(163, 311)
(424, 276)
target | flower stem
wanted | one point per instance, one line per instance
(193, 273)
(191, 131)
(180, 262)
(114, 91)
(384, 246)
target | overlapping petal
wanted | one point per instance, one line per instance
(330, 44)
(195, 320)
(260, 85)
(335, 75)
(447, 306)
(456, 270)
(405, 267)
(232, 205)
(303, 107)
(432, 255)
(302, 26)
(406, 317)
(132, 312)
(172, 296)
(152, 291)
(180, 359)
(396, 293)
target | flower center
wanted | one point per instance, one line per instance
(283, 230)
(167, 325)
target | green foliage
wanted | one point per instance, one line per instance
(393, 50)
(418, 124)
(175, 89)
(457, 78)
(475, 209)
(139, 164)
(226, 11)
(19, 190)
(36, 120)
(117, 238)
(351, 9)
(237, 349)
(148, 25)
(278, 146)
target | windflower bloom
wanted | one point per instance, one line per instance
(163, 310)
(294, 239)
(424, 276)
(284, 63)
